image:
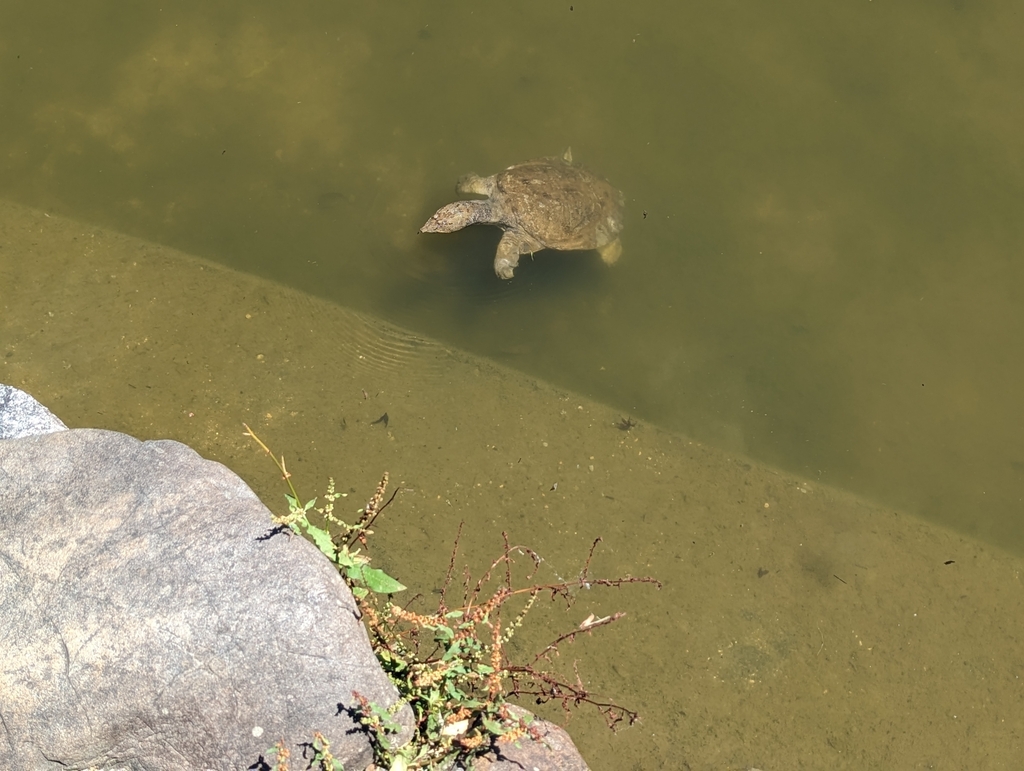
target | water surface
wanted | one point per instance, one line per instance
(821, 262)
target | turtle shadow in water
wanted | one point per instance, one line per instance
(460, 269)
(454, 295)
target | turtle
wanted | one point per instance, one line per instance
(547, 203)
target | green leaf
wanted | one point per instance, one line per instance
(494, 727)
(456, 651)
(322, 540)
(343, 559)
(354, 574)
(380, 582)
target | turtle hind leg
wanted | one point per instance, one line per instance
(507, 258)
(611, 252)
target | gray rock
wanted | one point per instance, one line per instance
(21, 415)
(152, 618)
(554, 752)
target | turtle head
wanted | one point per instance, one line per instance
(456, 216)
(473, 183)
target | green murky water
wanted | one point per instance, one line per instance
(821, 262)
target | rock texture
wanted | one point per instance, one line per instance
(21, 415)
(554, 752)
(152, 617)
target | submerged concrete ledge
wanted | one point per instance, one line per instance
(799, 626)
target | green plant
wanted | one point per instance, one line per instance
(450, 666)
(322, 756)
(337, 546)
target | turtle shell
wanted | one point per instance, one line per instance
(558, 204)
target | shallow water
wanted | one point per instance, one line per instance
(798, 626)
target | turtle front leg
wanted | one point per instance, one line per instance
(507, 258)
